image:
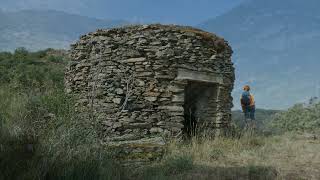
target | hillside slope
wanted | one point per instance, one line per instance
(275, 47)
(43, 29)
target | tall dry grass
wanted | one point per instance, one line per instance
(288, 156)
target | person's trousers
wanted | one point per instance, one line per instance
(249, 112)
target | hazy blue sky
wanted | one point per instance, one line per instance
(189, 12)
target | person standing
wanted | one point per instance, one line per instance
(248, 105)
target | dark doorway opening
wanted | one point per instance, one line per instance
(200, 106)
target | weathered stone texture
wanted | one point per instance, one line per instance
(133, 80)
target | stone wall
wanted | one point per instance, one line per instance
(131, 81)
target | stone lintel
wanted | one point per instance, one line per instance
(134, 60)
(184, 74)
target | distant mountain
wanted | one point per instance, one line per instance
(276, 49)
(139, 11)
(43, 29)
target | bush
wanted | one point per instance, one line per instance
(298, 118)
(40, 135)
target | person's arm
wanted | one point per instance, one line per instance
(242, 106)
(252, 102)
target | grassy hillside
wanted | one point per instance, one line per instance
(263, 118)
(300, 117)
(41, 136)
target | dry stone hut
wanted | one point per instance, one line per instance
(141, 83)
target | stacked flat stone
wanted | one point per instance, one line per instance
(129, 82)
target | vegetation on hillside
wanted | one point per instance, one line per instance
(263, 119)
(300, 117)
(42, 138)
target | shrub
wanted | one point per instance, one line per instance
(298, 118)
(40, 135)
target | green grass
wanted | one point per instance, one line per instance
(41, 136)
(170, 167)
